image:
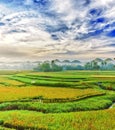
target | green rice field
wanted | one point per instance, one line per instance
(67, 100)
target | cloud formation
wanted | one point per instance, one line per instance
(47, 29)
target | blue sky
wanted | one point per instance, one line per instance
(49, 29)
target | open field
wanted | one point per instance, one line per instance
(57, 100)
(95, 120)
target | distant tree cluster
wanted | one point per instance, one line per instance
(57, 65)
(47, 66)
(100, 64)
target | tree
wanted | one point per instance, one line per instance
(55, 67)
(94, 64)
(106, 61)
(88, 66)
(98, 60)
(76, 61)
(45, 67)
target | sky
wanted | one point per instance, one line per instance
(56, 29)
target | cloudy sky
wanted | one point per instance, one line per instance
(49, 29)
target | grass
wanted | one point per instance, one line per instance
(93, 103)
(95, 120)
(57, 100)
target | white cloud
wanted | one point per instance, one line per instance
(25, 30)
(28, 2)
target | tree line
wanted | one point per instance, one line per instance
(57, 65)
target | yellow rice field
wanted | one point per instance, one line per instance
(4, 79)
(15, 93)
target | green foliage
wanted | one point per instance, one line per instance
(48, 66)
(56, 65)
(99, 64)
(45, 67)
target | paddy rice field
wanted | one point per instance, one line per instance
(67, 100)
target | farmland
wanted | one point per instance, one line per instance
(57, 100)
